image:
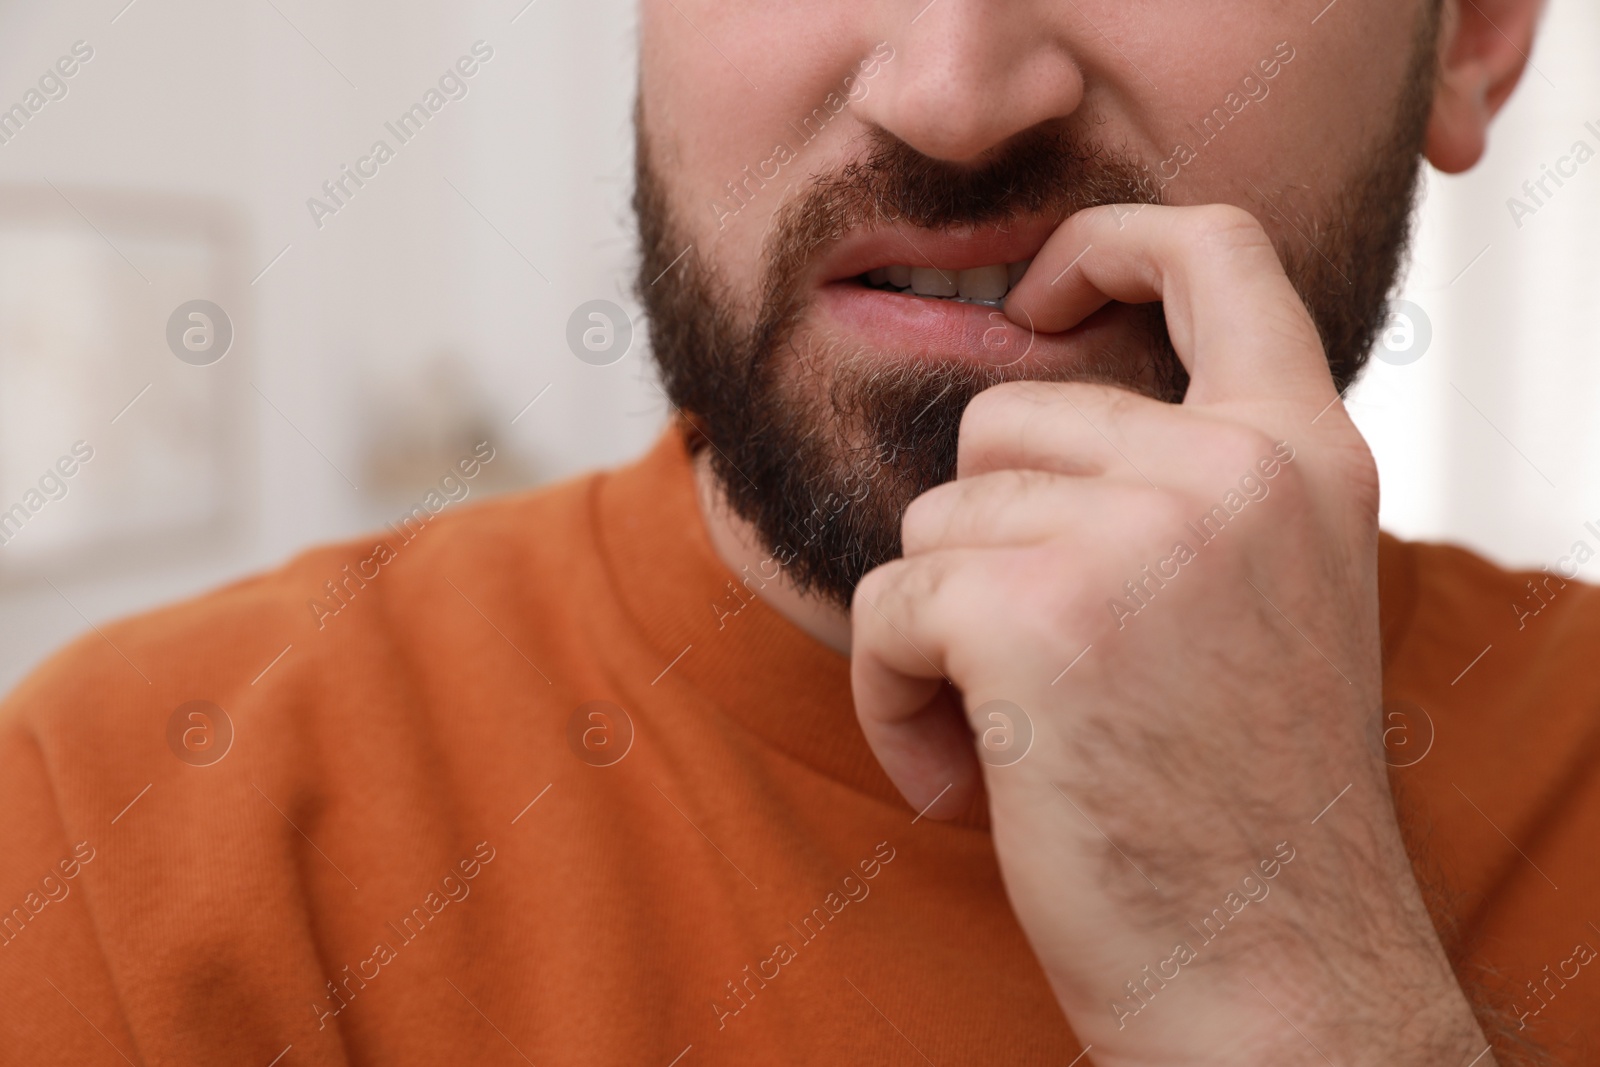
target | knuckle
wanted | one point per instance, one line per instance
(994, 490)
(1104, 406)
(899, 594)
(995, 419)
(874, 585)
(927, 517)
(1051, 597)
(1160, 513)
(1001, 403)
(969, 509)
(1225, 226)
(922, 582)
(1237, 448)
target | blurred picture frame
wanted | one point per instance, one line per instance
(123, 439)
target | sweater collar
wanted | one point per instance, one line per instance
(715, 637)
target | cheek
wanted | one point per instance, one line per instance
(1325, 105)
(715, 121)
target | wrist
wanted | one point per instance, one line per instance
(1252, 1006)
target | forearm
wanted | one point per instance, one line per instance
(1312, 951)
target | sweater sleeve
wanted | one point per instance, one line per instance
(156, 903)
(60, 1005)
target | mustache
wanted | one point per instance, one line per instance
(1045, 171)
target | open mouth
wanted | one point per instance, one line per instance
(935, 294)
(986, 285)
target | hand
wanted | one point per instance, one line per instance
(1179, 602)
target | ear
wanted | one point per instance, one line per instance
(1483, 49)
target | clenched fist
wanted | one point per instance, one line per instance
(1174, 609)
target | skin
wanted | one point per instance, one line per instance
(1203, 733)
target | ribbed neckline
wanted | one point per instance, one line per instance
(758, 668)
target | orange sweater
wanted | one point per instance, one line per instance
(550, 788)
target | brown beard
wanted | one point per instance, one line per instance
(821, 448)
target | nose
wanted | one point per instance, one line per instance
(969, 74)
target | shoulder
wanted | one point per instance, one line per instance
(316, 623)
(1534, 628)
(1491, 722)
(1491, 676)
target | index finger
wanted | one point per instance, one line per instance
(1235, 320)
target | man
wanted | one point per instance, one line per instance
(997, 662)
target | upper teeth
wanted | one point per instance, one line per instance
(986, 285)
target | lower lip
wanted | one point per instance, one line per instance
(933, 329)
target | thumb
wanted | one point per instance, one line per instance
(910, 712)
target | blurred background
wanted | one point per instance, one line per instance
(345, 358)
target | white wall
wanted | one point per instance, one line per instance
(1491, 438)
(232, 102)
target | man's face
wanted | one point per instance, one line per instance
(834, 197)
